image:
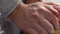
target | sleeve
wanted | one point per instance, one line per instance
(8, 27)
(7, 6)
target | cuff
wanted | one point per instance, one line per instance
(7, 6)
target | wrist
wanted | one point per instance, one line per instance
(17, 11)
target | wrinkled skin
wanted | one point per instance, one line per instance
(58, 9)
(36, 18)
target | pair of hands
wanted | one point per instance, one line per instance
(37, 18)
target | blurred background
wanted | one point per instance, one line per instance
(55, 1)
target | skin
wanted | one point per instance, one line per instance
(56, 12)
(58, 8)
(35, 18)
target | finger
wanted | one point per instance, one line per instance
(54, 11)
(27, 29)
(50, 17)
(57, 8)
(37, 27)
(44, 23)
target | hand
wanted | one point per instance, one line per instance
(35, 18)
(57, 8)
